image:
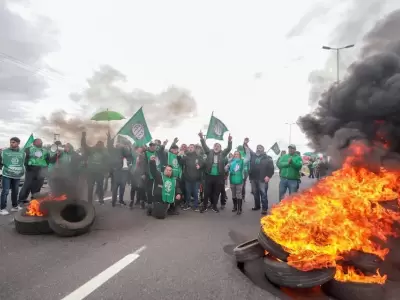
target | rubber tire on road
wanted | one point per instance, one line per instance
(365, 262)
(31, 225)
(271, 247)
(65, 228)
(248, 251)
(354, 290)
(159, 210)
(281, 274)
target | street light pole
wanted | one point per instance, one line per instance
(337, 56)
(290, 131)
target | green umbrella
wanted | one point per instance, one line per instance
(107, 115)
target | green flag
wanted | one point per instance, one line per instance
(136, 128)
(216, 129)
(29, 142)
(276, 149)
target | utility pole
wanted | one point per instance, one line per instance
(290, 131)
(337, 57)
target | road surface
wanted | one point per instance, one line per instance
(129, 255)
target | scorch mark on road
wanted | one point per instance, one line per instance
(97, 281)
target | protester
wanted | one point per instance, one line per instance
(214, 169)
(289, 165)
(36, 162)
(261, 172)
(119, 160)
(138, 176)
(193, 166)
(283, 152)
(65, 171)
(243, 149)
(12, 163)
(98, 163)
(236, 180)
(166, 187)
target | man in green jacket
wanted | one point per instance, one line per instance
(289, 165)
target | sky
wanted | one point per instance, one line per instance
(249, 62)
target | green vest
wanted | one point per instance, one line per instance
(37, 157)
(158, 165)
(236, 176)
(13, 163)
(173, 162)
(168, 189)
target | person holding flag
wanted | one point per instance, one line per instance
(12, 163)
(214, 164)
(245, 154)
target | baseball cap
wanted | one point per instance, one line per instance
(152, 144)
(292, 146)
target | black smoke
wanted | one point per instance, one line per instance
(365, 105)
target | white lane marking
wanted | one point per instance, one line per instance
(93, 284)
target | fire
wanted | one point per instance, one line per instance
(33, 209)
(339, 214)
(351, 275)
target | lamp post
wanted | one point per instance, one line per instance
(290, 131)
(337, 56)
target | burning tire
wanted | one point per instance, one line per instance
(365, 262)
(281, 274)
(353, 290)
(392, 205)
(248, 251)
(31, 225)
(71, 218)
(270, 246)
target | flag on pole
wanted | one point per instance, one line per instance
(29, 142)
(216, 129)
(276, 149)
(137, 129)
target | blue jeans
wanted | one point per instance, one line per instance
(287, 184)
(260, 192)
(13, 184)
(192, 189)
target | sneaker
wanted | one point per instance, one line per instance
(264, 212)
(214, 209)
(222, 207)
(203, 210)
(186, 207)
(122, 202)
(4, 212)
(196, 209)
(16, 208)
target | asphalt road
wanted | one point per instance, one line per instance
(129, 255)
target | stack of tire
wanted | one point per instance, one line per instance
(281, 274)
(65, 218)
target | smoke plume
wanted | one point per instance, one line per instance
(365, 105)
(166, 109)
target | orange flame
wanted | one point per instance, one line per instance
(33, 209)
(339, 214)
(352, 275)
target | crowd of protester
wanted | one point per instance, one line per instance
(192, 177)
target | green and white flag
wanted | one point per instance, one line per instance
(136, 128)
(29, 142)
(216, 129)
(276, 149)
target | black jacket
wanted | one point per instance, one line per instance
(210, 157)
(158, 183)
(117, 156)
(265, 167)
(138, 171)
(190, 172)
